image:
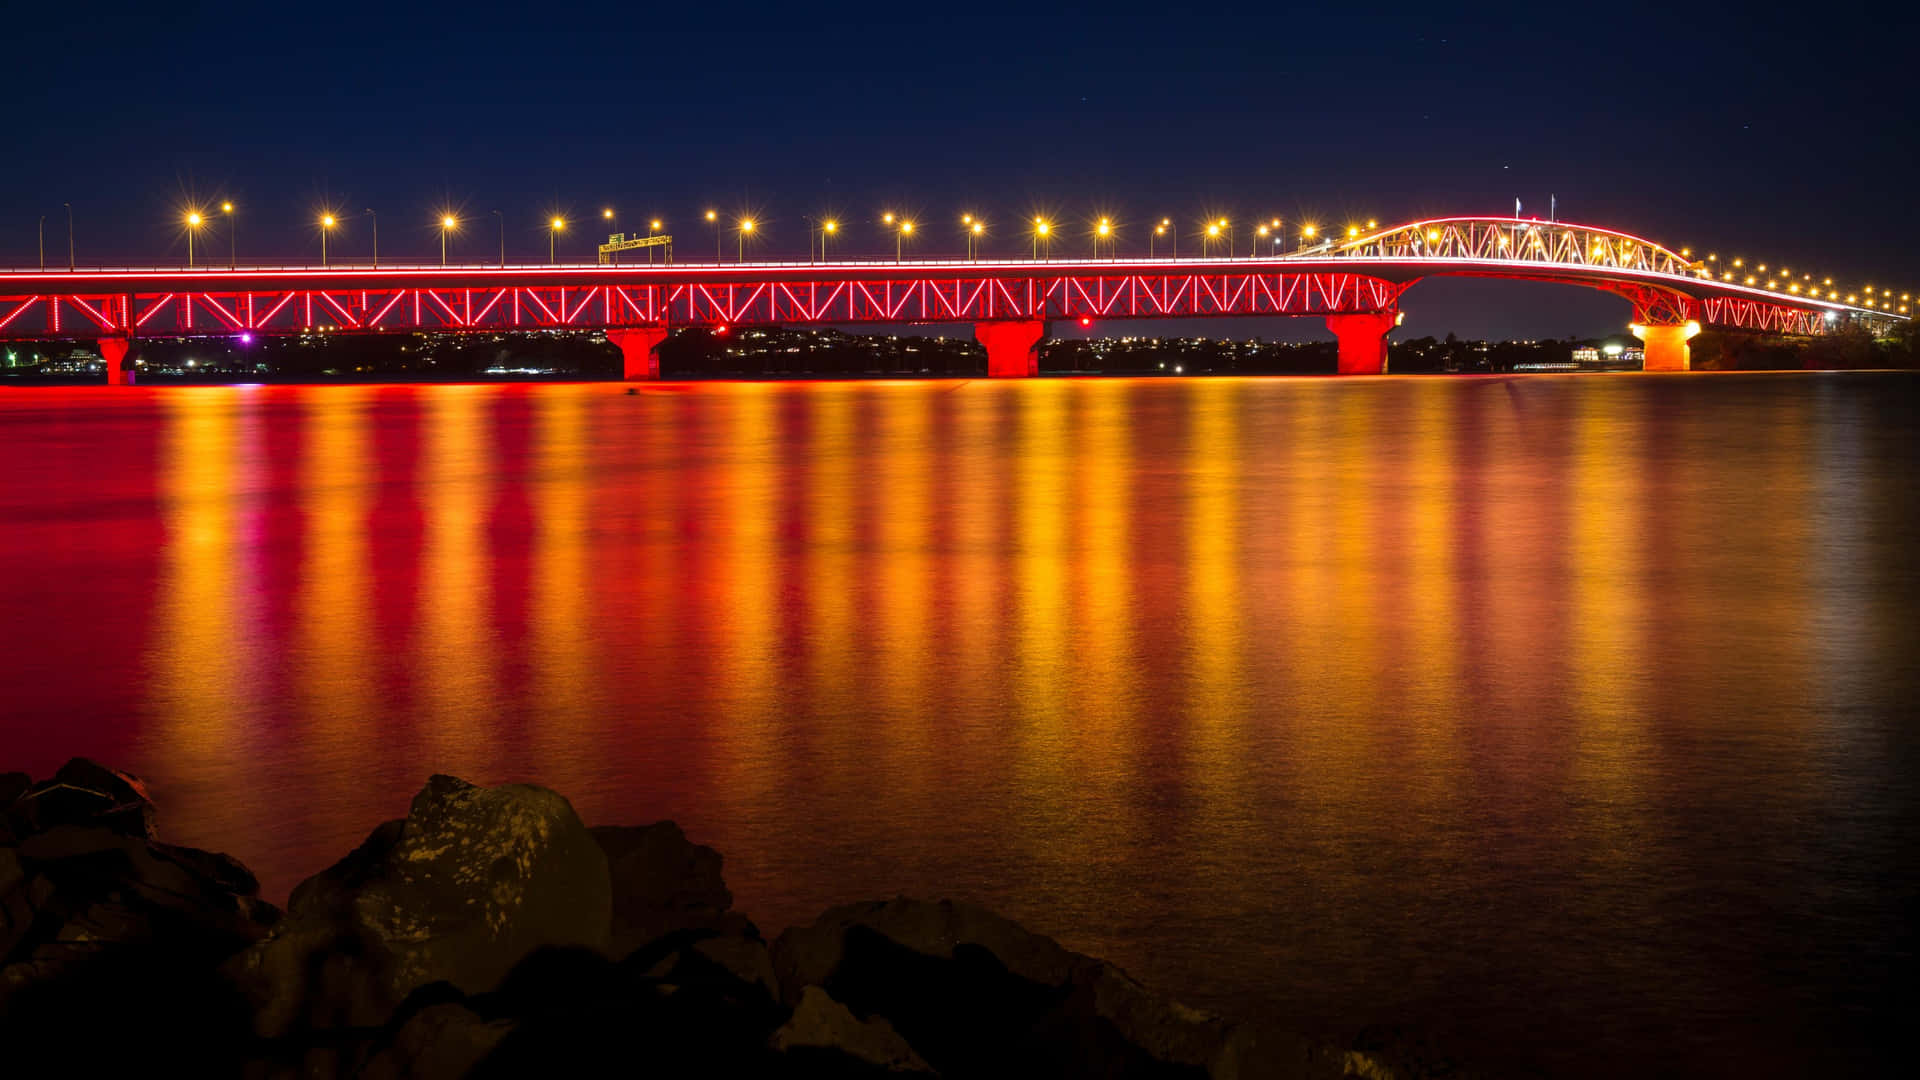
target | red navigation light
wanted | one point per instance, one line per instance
(721, 329)
(1085, 321)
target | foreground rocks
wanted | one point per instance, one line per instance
(490, 933)
(462, 890)
(111, 942)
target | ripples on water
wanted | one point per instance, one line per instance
(1566, 717)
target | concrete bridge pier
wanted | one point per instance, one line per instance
(1013, 348)
(115, 351)
(1363, 340)
(638, 347)
(1666, 346)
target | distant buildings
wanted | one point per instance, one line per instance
(1609, 355)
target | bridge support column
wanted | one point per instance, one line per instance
(638, 345)
(115, 350)
(1666, 346)
(1363, 340)
(1013, 348)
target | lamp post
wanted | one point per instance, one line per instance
(829, 228)
(376, 237)
(713, 219)
(1102, 232)
(1260, 233)
(447, 224)
(606, 215)
(1040, 232)
(652, 228)
(554, 228)
(1213, 233)
(233, 237)
(503, 237)
(973, 241)
(740, 248)
(905, 230)
(1158, 231)
(326, 226)
(193, 226)
(69, 207)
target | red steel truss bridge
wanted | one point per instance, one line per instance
(1354, 285)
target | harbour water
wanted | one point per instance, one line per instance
(1570, 720)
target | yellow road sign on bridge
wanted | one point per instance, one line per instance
(619, 242)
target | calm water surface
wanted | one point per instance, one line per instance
(1572, 719)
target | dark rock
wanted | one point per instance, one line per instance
(464, 888)
(84, 793)
(821, 1023)
(662, 882)
(106, 932)
(975, 994)
(1397, 1053)
(740, 963)
(576, 1012)
(439, 1042)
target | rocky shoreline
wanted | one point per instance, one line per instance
(492, 933)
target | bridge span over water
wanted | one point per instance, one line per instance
(1355, 286)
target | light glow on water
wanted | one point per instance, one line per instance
(1502, 706)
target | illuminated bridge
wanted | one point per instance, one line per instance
(1355, 285)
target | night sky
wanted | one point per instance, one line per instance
(1782, 135)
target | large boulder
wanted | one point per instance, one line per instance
(662, 883)
(976, 994)
(470, 883)
(103, 932)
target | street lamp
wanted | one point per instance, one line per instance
(1213, 233)
(652, 228)
(979, 229)
(1041, 231)
(827, 229)
(193, 226)
(555, 227)
(1254, 249)
(447, 224)
(376, 237)
(233, 236)
(503, 237)
(905, 230)
(1102, 231)
(713, 219)
(746, 226)
(326, 226)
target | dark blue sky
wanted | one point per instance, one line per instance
(1783, 133)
